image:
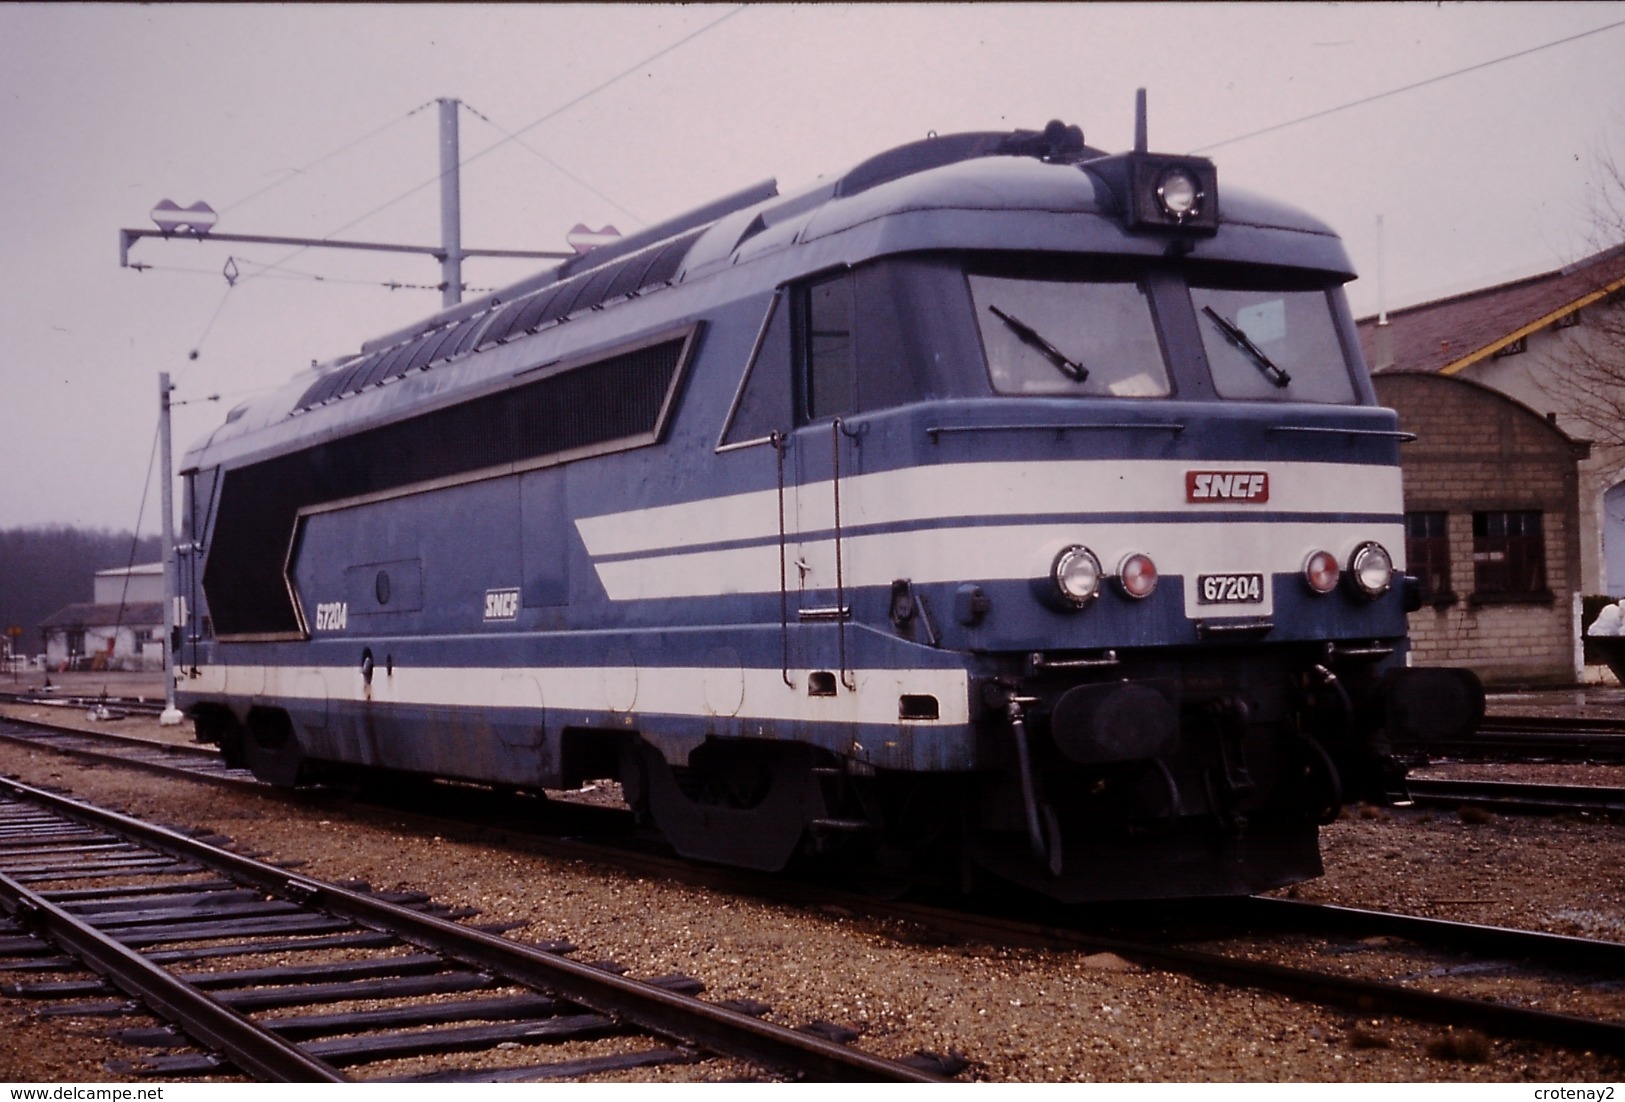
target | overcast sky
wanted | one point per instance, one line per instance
(318, 121)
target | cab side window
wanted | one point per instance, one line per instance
(805, 366)
(826, 348)
(763, 404)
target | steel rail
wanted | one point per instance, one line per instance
(221, 775)
(1515, 796)
(1563, 949)
(1361, 995)
(214, 771)
(686, 1020)
(253, 1050)
(1556, 725)
(1564, 1030)
(148, 708)
(1564, 739)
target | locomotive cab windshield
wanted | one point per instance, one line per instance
(1089, 336)
(1069, 336)
(1274, 342)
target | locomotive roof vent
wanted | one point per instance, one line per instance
(1056, 143)
(1159, 191)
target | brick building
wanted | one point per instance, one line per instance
(1492, 510)
(1524, 339)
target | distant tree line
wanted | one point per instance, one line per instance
(44, 569)
(1590, 382)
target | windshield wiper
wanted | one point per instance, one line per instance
(1071, 368)
(1237, 336)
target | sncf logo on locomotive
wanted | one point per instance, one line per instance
(501, 604)
(332, 616)
(1206, 487)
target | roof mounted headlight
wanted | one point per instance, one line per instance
(1179, 194)
(1371, 569)
(1077, 575)
(1159, 191)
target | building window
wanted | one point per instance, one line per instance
(1509, 555)
(1427, 553)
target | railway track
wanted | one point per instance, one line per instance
(110, 707)
(114, 892)
(1597, 961)
(413, 797)
(1542, 739)
(1508, 796)
(205, 764)
(1160, 938)
(194, 762)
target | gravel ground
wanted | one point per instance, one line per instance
(1018, 1015)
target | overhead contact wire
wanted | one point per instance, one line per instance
(1409, 87)
(622, 75)
(554, 165)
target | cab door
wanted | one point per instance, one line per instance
(823, 449)
(793, 406)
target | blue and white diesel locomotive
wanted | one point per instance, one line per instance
(998, 509)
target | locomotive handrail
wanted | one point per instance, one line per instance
(1386, 434)
(840, 575)
(1234, 627)
(1038, 660)
(934, 431)
(1374, 650)
(780, 442)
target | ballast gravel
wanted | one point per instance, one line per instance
(1016, 1015)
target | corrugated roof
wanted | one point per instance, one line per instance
(141, 568)
(87, 614)
(1449, 334)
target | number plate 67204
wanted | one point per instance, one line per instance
(1229, 589)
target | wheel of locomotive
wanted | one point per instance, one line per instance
(220, 728)
(887, 834)
(737, 778)
(1157, 806)
(1316, 787)
(733, 802)
(271, 749)
(921, 814)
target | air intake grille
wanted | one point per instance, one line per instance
(615, 403)
(594, 287)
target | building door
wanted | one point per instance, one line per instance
(1613, 539)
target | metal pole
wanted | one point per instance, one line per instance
(451, 223)
(171, 715)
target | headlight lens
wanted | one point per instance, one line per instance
(1372, 569)
(1179, 194)
(1138, 574)
(1320, 570)
(1077, 575)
